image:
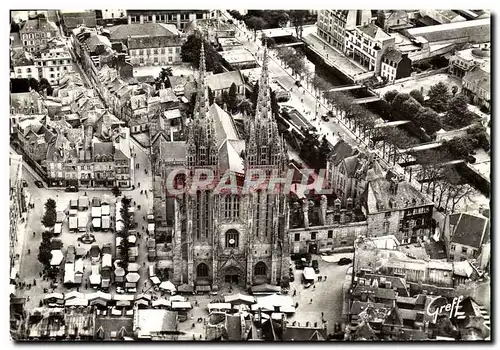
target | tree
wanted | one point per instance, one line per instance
(211, 96)
(397, 103)
(190, 52)
(254, 95)
(116, 191)
(14, 27)
(232, 97)
(44, 84)
(162, 80)
(439, 96)
(50, 216)
(255, 23)
(298, 17)
(389, 96)
(44, 250)
(460, 147)
(124, 232)
(417, 95)
(236, 15)
(458, 114)
(410, 108)
(429, 120)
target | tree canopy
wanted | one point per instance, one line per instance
(190, 52)
(439, 96)
(458, 114)
(50, 216)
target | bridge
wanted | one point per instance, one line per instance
(299, 43)
(346, 87)
(364, 100)
(392, 124)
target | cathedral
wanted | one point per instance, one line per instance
(236, 238)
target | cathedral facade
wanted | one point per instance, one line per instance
(240, 236)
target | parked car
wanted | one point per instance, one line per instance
(71, 189)
(298, 83)
(25, 184)
(325, 118)
(345, 261)
(307, 285)
(39, 184)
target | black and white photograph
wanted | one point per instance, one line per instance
(281, 175)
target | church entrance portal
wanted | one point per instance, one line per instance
(231, 279)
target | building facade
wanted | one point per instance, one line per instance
(394, 207)
(155, 51)
(464, 236)
(395, 65)
(332, 24)
(36, 32)
(53, 63)
(227, 237)
(177, 17)
(367, 44)
(17, 200)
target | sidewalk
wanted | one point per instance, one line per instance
(334, 57)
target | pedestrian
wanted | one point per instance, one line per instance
(294, 292)
(314, 287)
(311, 301)
(141, 192)
(319, 278)
(33, 233)
(144, 264)
(40, 275)
(34, 282)
(325, 278)
(29, 251)
(139, 184)
(322, 315)
(296, 305)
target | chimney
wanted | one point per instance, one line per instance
(276, 308)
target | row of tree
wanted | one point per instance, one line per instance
(45, 249)
(265, 19)
(445, 185)
(124, 246)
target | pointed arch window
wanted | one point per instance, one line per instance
(260, 269)
(202, 271)
(232, 239)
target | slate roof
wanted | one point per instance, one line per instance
(38, 25)
(124, 31)
(374, 32)
(470, 230)
(340, 151)
(224, 80)
(96, 40)
(224, 125)
(233, 327)
(393, 55)
(77, 18)
(145, 42)
(479, 77)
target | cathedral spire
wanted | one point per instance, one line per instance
(264, 99)
(201, 106)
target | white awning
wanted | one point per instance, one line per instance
(105, 222)
(167, 285)
(76, 302)
(107, 260)
(155, 280)
(181, 305)
(57, 257)
(96, 222)
(95, 279)
(151, 227)
(96, 212)
(105, 210)
(219, 306)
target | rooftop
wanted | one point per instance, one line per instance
(479, 76)
(224, 80)
(41, 25)
(141, 42)
(470, 230)
(124, 31)
(237, 56)
(149, 321)
(374, 32)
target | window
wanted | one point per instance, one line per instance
(297, 237)
(141, 60)
(388, 214)
(313, 235)
(260, 269)
(464, 250)
(19, 70)
(453, 247)
(170, 59)
(202, 271)
(386, 227)
(232, 239)
(452, 257)
(330, 233)
(170, 50)
(155, 51)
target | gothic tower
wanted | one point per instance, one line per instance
(198, 205)
(267, 220)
